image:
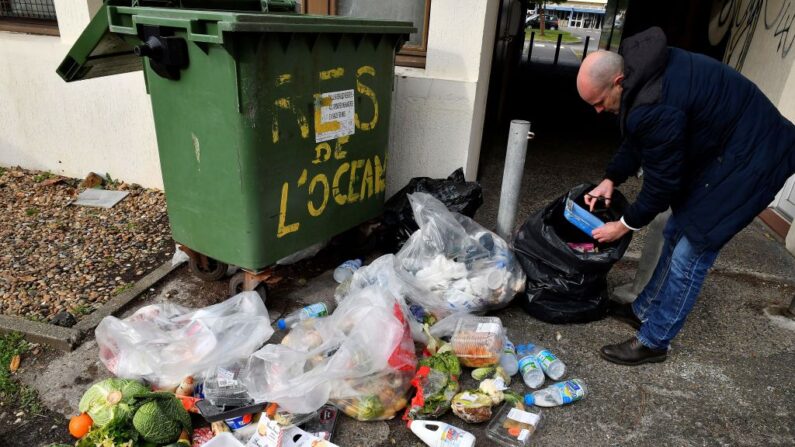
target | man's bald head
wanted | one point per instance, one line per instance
(599, 80)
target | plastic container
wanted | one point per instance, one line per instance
(581, 218)
(316, 310)
(346, 269)
(513, 427)
(224, 440)
(477, 341)
(439, 434)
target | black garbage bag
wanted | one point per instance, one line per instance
(564, 285)
(455, 192)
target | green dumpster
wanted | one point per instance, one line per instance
(272, 126)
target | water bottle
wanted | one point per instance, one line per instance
(551, 365)
(346, 269)
(532, 374)
(508, 359)
(560, 393)
(321, 309)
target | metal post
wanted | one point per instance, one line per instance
(585, 48)
(518, 136)
(557, 49)
(530, 49)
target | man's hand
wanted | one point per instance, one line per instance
(604, 190)
(609, 232)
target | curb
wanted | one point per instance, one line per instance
(67, 339)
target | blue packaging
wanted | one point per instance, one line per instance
(581, 218)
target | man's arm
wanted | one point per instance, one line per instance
(624, 164)
(659, 130)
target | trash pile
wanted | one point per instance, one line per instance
(209, 377)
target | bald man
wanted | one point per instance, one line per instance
(711, 146)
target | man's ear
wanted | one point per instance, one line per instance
(618, 79)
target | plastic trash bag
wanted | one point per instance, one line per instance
(458, 265)
(360, 358)
(163, 343)
(565, 285)
(455, 192)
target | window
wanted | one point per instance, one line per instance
(417, 11)
(28, 16)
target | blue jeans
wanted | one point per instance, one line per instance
(668, 298)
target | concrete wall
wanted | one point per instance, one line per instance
(105, 124)
(761, 48)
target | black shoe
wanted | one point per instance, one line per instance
(632, 352)
(623, 312)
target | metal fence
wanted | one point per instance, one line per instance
(27, 9)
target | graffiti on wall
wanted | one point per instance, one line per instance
(742, 19)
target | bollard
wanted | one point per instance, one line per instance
(649, 255)
(557, 49)
(585, 47)
(518, 136)
(530, 48)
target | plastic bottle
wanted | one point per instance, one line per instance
(552, 366)
(560, 393)
(346, 269)
(531, 371)
(321, 309)
(508, 359)
(439, 434)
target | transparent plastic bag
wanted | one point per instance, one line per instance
(360, 358)
(163, 343)
(381, 273)
(458, 265)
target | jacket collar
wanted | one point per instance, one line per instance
(645, 58)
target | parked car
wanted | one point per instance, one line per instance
(534, 21)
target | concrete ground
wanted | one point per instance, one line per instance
(728, 381)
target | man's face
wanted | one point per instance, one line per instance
(605, 99)
(602, 98)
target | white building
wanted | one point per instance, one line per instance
(106, 124)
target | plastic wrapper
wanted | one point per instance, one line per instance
(514, 426)
(472, 406)
(163, 343)
(565, 284)
(455, 192)
(436, 383)
(222, 385)
(360, 358)
(458, 265)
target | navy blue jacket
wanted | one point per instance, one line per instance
(711, 145)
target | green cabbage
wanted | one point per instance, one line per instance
(161, 420)
(111, 400)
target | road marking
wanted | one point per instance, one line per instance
(540, 45)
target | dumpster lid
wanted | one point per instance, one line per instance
(101, 49)
(98, 52)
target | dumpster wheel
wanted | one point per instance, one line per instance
(206, 268)
(237, 284)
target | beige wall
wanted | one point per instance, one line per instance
(437, 124)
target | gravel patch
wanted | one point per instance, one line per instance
(55, 257)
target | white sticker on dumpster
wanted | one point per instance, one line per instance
(334, 115)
